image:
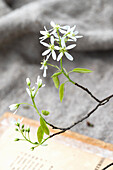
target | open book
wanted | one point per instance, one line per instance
(63, 152)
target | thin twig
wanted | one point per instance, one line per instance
(85, 89)
(107, 166)
(101, 103)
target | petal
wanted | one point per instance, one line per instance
(53, 54)
(41, 37)
(79, 36)
(41, 68)
(14, 112)
(48, 57)
(13, 107)
(74, 39)
(43, 32)
(72, 29)
(76, 32)
(55, 34)
(43, 85)
(70, 46)
(44, 74)
(28, 91)
(52, 24)
(66, 27)
(52, 40)
(45, 44)
(38, 80)
(45, 28)
(46, 52)
(33, 93)
(62, 31)
(59, 56)
(69, 56)
(57, 48)
(63, 42)
(70, 40)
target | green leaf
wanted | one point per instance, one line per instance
(44, 126)
(44, 112)
(61, 91)
(40, 134)
(56, 74)
(56, 81)
(81, 70)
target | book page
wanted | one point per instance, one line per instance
(54, 156)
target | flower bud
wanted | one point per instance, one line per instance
(17, 124)
(14, 107)
(28, 130)
(22, 126)
(16, 129)
(28, 81)
(17, 139)
(32, 148)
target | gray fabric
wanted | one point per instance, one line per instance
(20, 56)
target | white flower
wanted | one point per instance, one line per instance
(45, 34)
(28, 91)
(28, 81)
(32, 92)
(39, 82)
(13, 120)
(58, 27)
(72, 34)
(63, 50)
(14, 107)
(50, 49)
(44, 66)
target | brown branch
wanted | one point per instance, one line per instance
(102, 102)
(86, 90)
(79, 121)
(108, 166)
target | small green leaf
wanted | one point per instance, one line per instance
(81, 70)
(56, 74)
(40, 134)
(44, 112)
(56, 81)
(61, 91)
(44, 126)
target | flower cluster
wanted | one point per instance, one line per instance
(58, 37)
(43, 128)
(32, 92)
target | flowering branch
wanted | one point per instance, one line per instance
(58, 47)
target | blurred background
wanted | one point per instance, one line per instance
(20, 57)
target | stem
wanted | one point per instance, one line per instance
(59, 38)
(53, 66)
(35, 106)
(26, 138)
(61, 65)
(42, 142)
(83, 88)
(27, 104)
(36, 92)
